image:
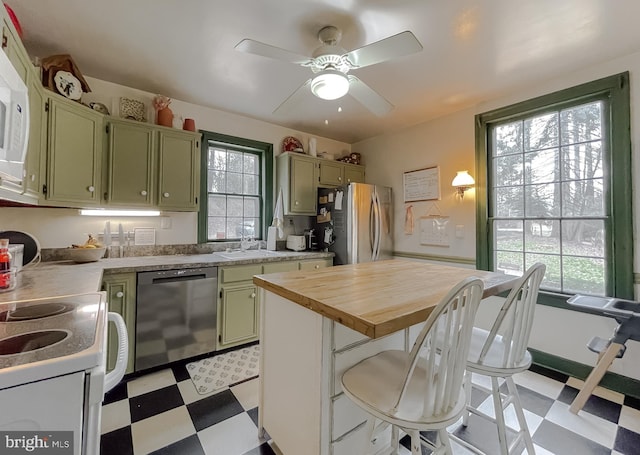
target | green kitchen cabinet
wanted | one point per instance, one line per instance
(37, 148)
(331, 173)
(13, 48)
(353, 173)
(121, 298)
(238, 305)
(131, 164)
(298, 176)
(74, 154)
(178, 169)
(238, 315)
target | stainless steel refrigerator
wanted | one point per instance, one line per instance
(355, 222)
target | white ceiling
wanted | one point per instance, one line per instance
(473, 50)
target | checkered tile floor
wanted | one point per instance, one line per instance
(162, 413)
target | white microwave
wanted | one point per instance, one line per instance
(14, 122)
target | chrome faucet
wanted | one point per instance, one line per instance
(247, 242)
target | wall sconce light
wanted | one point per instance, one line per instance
(462, 182)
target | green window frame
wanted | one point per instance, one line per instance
(239, 146)
(617, 240)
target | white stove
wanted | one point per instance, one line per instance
(52, 366)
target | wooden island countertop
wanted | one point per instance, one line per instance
(377, 298)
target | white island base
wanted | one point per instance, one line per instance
(303, 356)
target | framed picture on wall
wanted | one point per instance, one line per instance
(422, 184)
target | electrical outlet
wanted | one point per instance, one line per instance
(459, 231)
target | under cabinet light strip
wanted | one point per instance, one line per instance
(98, 212)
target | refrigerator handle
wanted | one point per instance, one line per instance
(378, 227)
(372, 226)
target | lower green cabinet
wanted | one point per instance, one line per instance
(121, 298)
(238, 315)
(238, 301)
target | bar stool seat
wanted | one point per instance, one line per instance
(422, 389)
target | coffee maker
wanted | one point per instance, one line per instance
(311, 239)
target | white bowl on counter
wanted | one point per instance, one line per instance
(82, 255)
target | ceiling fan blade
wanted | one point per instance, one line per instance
(368, 97)
(293, 99)
(266, 50)
(404, 43)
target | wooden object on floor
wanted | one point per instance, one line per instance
(604, 362)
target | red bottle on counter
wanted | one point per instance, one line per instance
(5, 264)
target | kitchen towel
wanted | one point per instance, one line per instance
(224, 370)
(278, 216)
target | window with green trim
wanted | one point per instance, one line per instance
(237, 187)
(555, 174)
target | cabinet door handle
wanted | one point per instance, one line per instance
(165, 194)
(143, 193)
(119, 294)
(297, 203)
(4, 41)
(317, 267)
(91, 189)
(253, 295)
(340, 179)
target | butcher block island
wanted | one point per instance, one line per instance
(317, 324)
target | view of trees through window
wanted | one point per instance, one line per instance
(547, 197)
(233, 191)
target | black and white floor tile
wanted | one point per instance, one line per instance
(162, 413)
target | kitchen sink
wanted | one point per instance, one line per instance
(250, 254)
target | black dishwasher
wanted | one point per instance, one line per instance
(175, 315)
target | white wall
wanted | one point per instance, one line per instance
(59, 228)
(449, 142)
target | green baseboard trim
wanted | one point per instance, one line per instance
(435, 257)
(611, 381)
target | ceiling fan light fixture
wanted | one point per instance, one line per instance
(330, 84)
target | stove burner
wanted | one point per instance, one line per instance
(27, 313)
(31, 341)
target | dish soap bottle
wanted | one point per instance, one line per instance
(5, 264)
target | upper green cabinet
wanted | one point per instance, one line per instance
(299, 176)
(35, 164)
(149, 165)
(13, 48)
(74, 156)
(178, 169)
(130, 164)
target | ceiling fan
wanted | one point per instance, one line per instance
(331, 64)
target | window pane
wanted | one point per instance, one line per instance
(234, 183)
(581, 123)
(508, 139)
(583, 275)
(541, 132)
(509, 262)
(542, 236)
(216, 228)
(217, 181)
(540, 200)
(507, 170)
(508, 235)
(217, 159)
(583, 237)
(251, 207)
(542, 166)
(235, 206)
(583, 198)
(250, 184)
(583, 161)
(251, 164)
(509, 202)
(217, 205)
(234, 227)
(234, 161)
(552, 277)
